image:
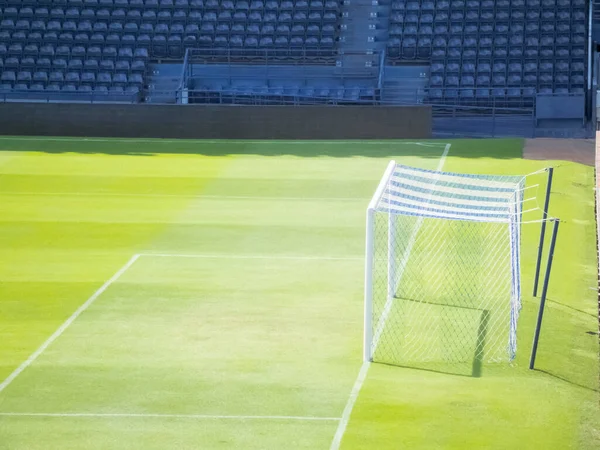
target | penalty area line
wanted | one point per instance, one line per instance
(172, 416)
(66, 324)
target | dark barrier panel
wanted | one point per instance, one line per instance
(216, 122)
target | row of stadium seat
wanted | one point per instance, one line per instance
(558, 40)
(517, 68)
(67, 87)
(148, 27)
(106, 65)
(411, 49)
(81, 51)
(112, 51)
(486, 66)
(531, 29)
(291, 89)
(25, 7)
(233, 39)
(134, 32)
(497, 5)
(500, 80)
(209, 5)
(483, 17)
(175, 30)
(91, 78)
(498, 92)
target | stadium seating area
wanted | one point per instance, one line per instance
(104, 46)
(291, 93)
(475, 49)
(487, 47)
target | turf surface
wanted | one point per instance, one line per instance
(228, 335)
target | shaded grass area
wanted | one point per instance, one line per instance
(284, 338)
(465, 148)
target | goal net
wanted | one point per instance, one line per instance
(443, 281)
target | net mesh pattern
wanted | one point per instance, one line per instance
(446, 268)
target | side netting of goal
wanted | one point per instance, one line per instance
(443, 276)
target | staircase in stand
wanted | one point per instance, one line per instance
(364, 30)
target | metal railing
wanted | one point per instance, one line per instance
(183, 83)
(381, 70)
(309, 93)
(469, 121)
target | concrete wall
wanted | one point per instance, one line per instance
(216, 122)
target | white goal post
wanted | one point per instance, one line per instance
(442, 268)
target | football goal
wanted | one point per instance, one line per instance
(443, 256)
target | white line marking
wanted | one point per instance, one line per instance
(221, 141)
(341, 429)
(273, 257)
(362, 374)
(200, 197)
(171, 416)
(66, 324)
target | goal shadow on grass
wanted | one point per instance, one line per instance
(428, 148)
(457, 362)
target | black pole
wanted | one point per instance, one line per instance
(538, 326)
(542, 232)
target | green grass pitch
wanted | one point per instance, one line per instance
(239, 324)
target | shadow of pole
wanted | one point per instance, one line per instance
(480, 348)
(572, 383)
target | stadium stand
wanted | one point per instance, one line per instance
(497, 48)
(504, 53)
(105, 45)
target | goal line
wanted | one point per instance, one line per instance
(362, 374)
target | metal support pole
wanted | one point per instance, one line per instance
(542, 232)
(368, 305)
(538, 326)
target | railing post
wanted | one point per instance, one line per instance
(543, 231)
(538, 326)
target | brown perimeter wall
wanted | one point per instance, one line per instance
(215, 122)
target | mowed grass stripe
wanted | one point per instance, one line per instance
(237, 185)
(216, 211)
(203, 197)
(150, 433)
(157, 326)
(36, 250)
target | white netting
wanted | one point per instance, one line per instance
(445, 269)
